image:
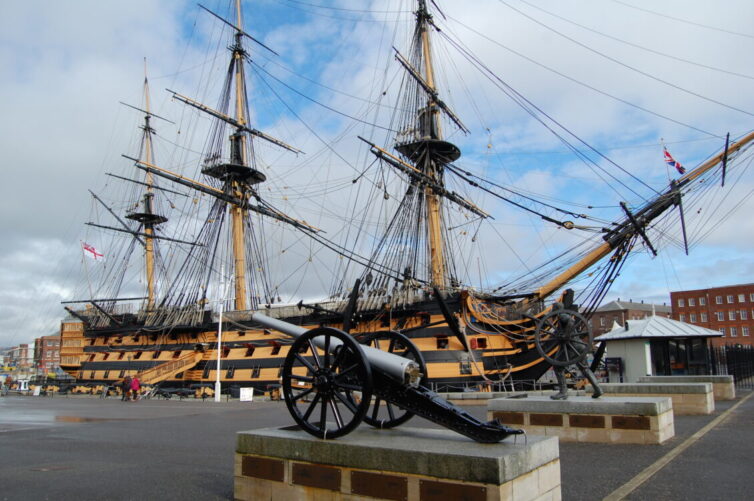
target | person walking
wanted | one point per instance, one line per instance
(135, 388)
(125, 387)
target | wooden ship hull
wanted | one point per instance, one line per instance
(186, 357)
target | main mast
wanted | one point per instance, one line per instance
(238, 157)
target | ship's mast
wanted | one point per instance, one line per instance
(148, 218)
(238, 157)
(426, 149)
(432, 167)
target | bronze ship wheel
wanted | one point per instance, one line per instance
(563, 337)
(390, 415)
(327, 382)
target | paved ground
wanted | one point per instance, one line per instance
(90, 448)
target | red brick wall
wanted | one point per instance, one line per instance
(734, 303)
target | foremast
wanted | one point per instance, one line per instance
(424, 154)
(431, 164)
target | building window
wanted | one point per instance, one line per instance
(692, 318)
(719, 299)
(731, 315)
(730, 298)
(743, 314)
(722, 331)
(702, 301)
(741, 298)
(751, 296)
(703, 317)
(733, 332)
(122, 374)
(681, 303)
(255, 372)
(602, 321)
(682, 317)
(720, 316)
(745, 331)
(692, 301)
(442, 342)
(230, 372)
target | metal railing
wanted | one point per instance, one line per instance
(736, 361)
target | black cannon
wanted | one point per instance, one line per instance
(331, 383)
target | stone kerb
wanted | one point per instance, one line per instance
(688, 398)
(723, 387)
(399, 464)
(626, 420)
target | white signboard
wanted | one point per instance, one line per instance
(247, 394)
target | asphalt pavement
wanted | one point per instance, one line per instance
(86, 448)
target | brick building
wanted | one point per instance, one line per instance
(728, 310)
(47, 354)
(607, 315)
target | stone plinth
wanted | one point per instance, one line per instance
(688, 398)
(624, 420)
(481, 397)
(723, 387)
(398, 464)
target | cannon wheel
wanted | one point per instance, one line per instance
(327, 391)
(391, 415)
(569, 332)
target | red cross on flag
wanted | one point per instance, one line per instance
(91, 252)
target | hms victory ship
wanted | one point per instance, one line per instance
(403, 270)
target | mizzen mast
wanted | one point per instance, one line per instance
(147, 217)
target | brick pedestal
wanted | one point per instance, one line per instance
(402, 464)
(688, 398)
(625, 420)
(723, 387)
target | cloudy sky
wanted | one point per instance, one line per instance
(618, 74)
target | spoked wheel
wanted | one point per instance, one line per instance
(563, 338)
(327, 382)
(390, 415)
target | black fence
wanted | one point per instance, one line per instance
(736, 361)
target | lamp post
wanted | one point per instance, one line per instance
(218, 386)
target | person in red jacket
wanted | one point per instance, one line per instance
(135, 388)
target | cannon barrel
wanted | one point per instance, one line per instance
(402, 369)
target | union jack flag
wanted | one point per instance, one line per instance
(673, 162)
